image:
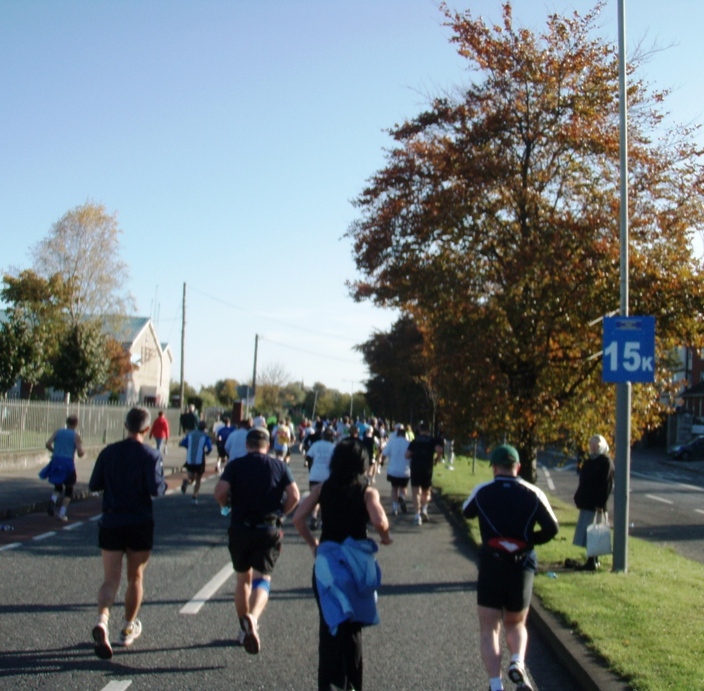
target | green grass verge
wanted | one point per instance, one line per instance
(646, 623)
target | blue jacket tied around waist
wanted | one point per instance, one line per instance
(59, 469)
(347, 576)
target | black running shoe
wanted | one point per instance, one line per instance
(252, 644)
(102, 641)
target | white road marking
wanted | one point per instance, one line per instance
(73, 526)
(207, 591)
(12, 545)
(117, 685)
(44, 536)
(96, 518)
(654, 498)
(551, 484)
(699, 510)
(667, 482)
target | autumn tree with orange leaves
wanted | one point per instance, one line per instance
(494, 224)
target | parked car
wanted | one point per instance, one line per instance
(691, 451)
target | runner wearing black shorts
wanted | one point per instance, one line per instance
(261, 491)
(508, 509)
(424, 451)
(128, 473)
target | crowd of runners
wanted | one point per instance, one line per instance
(256, 489)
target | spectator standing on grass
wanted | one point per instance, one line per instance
(160, 431)
(261, 491)
(65, 444)
(596, 482)
(508, 509)
(128, 473)
(346, 575)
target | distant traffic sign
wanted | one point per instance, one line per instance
(629, 349)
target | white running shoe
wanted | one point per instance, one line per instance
(517, 674)
(131, 631)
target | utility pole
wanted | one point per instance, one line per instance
(623, 390)
(182, 390)
(254, 371)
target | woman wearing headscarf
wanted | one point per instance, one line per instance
(596, 481)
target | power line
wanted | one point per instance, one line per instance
(258, 313)
(308, 352)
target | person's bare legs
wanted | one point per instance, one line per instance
(489, 644)
(251, 597)
(250, 600)
(416, 492)
(136, 563)
(112, 570)
(516, 632)
(243, 588)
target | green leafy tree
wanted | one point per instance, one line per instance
(175, 390)
(207, 398)
(35, 324)
(226, 391)
(80, 365)
(495, 225)
(399, 387)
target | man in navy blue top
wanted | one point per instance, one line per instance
(508, 509)
(261, 491)
(129, 473)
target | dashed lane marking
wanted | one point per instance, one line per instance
(656, 498)
(118, 685)
(43, 536)
(73, 526)
(12, 545)
(207, 591)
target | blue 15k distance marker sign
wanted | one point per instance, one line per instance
(629, 349)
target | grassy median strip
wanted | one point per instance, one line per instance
(645, 623)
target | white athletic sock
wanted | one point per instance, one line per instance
(517, 658)
(496, 684)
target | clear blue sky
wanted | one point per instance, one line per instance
(230, 136)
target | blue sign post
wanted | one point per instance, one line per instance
(629, 349)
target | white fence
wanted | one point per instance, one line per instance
(26, 425)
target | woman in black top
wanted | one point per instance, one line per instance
(596, 481)
(347, 504)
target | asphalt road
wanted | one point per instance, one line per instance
(427, 639)
(666, 499)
